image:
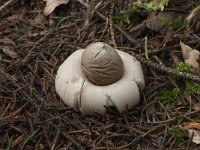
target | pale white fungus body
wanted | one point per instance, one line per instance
(78, 92)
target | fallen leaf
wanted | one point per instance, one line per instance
(39, 19)
(174, 58)
(18, 140)
(191, 57)
(14, 18)
(196, 135)
(52, 4)
(197, 106)
(6, 50)
(194, 125)
(193, 130)
(193, 60)
(185, 50)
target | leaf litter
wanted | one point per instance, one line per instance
(33, 117)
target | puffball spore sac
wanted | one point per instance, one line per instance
(101, 64)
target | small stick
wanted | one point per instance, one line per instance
(112, 32)
(167, 70)
(56, 138)
(145, 48)
(6, 4)
(128, 37)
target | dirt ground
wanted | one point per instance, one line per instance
(32, 47)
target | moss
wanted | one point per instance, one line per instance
(178, 134)
(169, 96)
(124, 18)
(173, 24)
(191, 88)
(172, 96)
(182, 67)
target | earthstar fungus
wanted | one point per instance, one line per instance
(100, 76)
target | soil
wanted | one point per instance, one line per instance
(32, 47)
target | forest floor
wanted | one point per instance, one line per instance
(32, 47)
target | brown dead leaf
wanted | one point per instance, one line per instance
(18, 140)
(39, 19)
(191, 57)
(7, 50)
(185, 50)
(193, 60)
(197, 106)
(194, 125)
(52, 4)
(174, 58)
(193, 129)
(14, 18)
(196, 135)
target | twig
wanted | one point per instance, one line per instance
(173, 118)
(138, 139)
(145, 48)
(112, 32)
(56, 139)
(167, 70)
(83, 3)
(72, 140)
(128, 37)
(190, 140)
(6, 4)
(15, 113)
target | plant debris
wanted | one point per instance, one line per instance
(191, 57)
(193, 130)
(52, 4)
(32, 116)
